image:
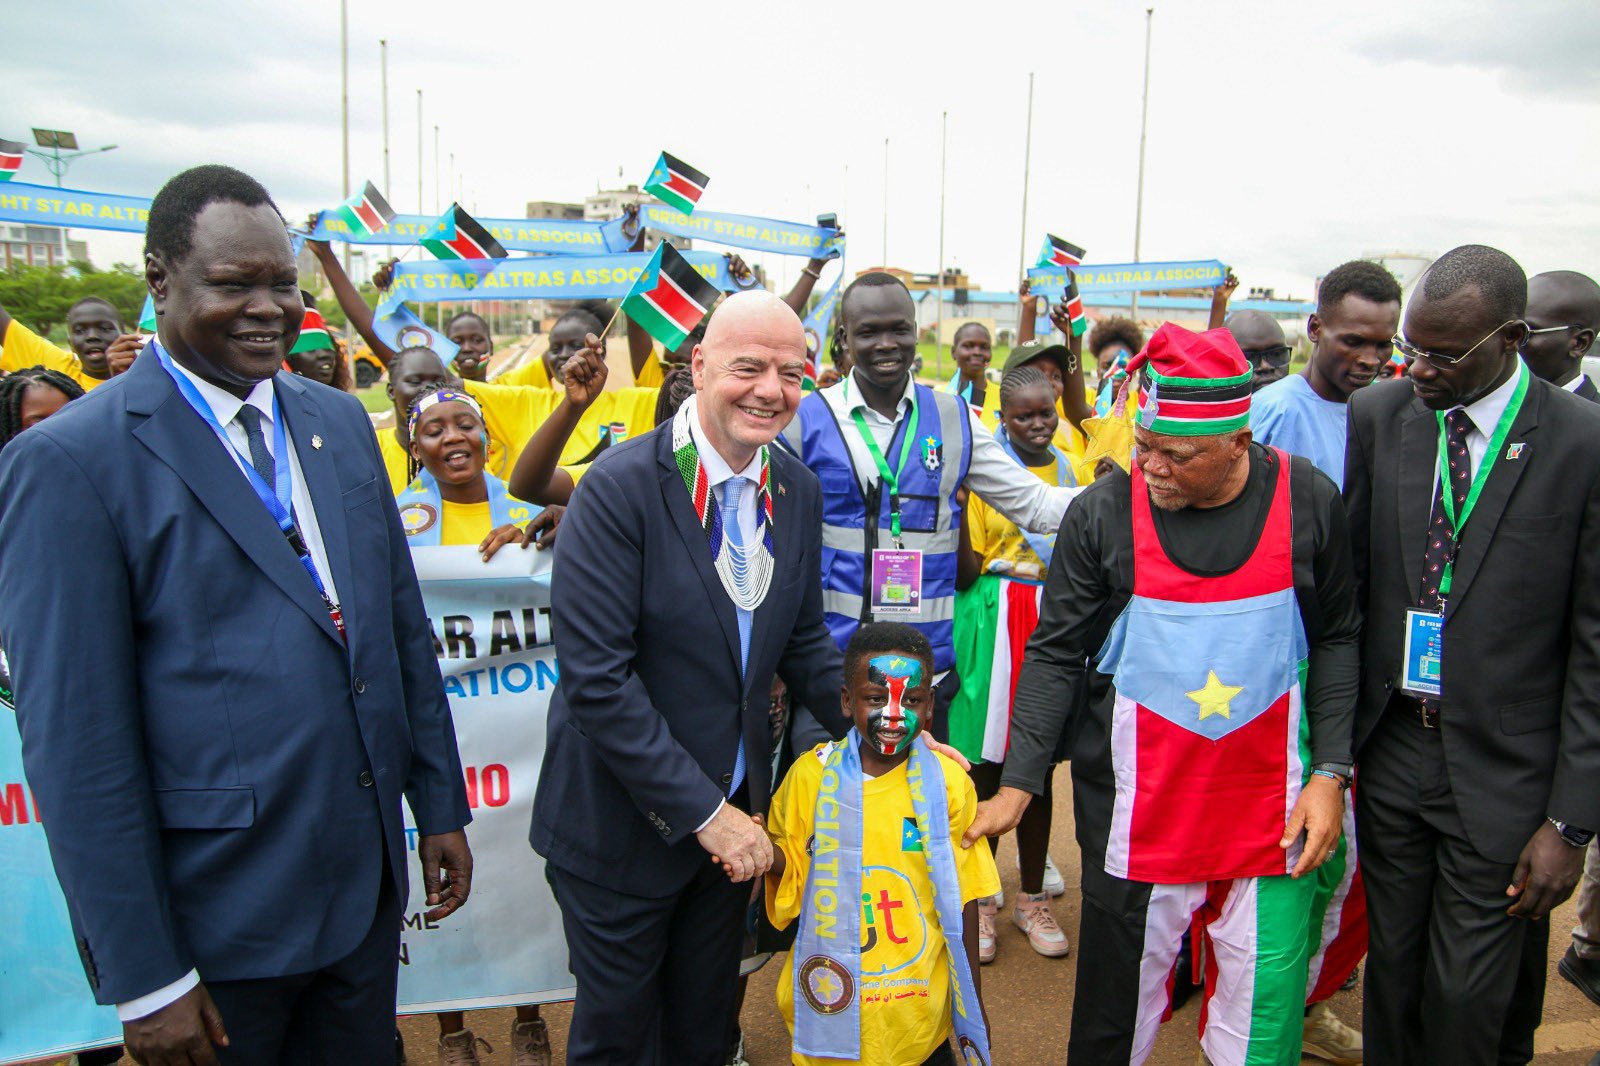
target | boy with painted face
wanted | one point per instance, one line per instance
(864, 835)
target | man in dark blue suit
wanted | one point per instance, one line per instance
(224, 676)
(672, 616)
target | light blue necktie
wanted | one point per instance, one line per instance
(732, 493)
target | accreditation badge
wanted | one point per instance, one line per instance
(896, 582)
(1424, 652)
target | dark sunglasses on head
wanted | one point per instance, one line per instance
(1275, 356)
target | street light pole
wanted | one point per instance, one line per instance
(383, 56)
(344, 104)
(938, 328)
(1027, 163)
(436, 207)
(1144, 123)
(421, 207)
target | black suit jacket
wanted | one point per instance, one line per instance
(1520, 701)
(645, 721)
(1587, 390)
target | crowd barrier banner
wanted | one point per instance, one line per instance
(1051, 281)
(544, 235)
(551, 278)
(43, 205)
(491, 627)
(745, 231)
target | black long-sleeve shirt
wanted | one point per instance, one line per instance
(1091, 580)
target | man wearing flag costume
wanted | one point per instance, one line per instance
(1209, 596)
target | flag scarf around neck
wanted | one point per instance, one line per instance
(1209, 741)
(314, 335)
(421, 508)
(827, 949)
(745, 575)
(1059, 252)
(457, 235)
(676, 182)
(367, 213)
(670, 297)
(10, 158)
(1043, 545)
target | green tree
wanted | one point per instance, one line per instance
(38, 297)
(123, 285)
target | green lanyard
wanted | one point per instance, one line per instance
(1497, 442)
(891, 478)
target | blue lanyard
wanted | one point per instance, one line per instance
(277, 499)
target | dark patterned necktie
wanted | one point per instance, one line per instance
(1457, 476)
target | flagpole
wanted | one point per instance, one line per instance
(1027, 163)
(1144, 123)
(383, 59)
(421, 207)
(938, 329)
(886, 202)
(344, 104)
(436, 207)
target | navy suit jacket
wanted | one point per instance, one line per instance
(647, 717)
(219, 775)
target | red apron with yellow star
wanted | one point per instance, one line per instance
(1209, 743)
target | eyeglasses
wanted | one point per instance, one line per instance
(1275, 356)
(1548, 329)
(1411, 351)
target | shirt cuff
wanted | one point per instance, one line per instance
(717, 810)
(147, 1005)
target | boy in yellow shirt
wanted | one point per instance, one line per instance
(866, 854)
(93, 328)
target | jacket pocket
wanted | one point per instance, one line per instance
(365, 492)
(206, 808)
(1530, 716)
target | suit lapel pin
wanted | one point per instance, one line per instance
(316, 442)
(783, 490)
(1515, 451)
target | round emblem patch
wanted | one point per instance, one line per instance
(418, 518)
(827, 986)
(415, 337)
(813, 342)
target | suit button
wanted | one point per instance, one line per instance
(360, 686)
(727, 779)
(365, 780)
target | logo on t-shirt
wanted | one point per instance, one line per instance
(910, 837)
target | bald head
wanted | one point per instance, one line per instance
(756, 317)
(1255, 329)
(1563, 315)
(747, 374)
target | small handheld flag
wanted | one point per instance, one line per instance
(367, 212)
(457, 235)
(676, 182)
(314, 335)
(1073, 302)
(147, 314)
(670, 297)
(10, 159)
(1057, 252)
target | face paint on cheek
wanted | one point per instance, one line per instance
(897, 674)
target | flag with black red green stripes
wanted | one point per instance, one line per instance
(1058, 252)
(1073, 302)
(677, 183)
(10, 159)
(367, 212)
(670, 297)
(457, 235)
(314, 335)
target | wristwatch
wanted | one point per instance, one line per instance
(1342, 772)
(1578, 838)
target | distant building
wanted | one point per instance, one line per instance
(40, 246)
(555, 209)
(607, 204)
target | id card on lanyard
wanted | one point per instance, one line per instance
(1423, 654)
(894, 575)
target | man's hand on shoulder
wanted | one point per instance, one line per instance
(446, 872)
(737, 843)
(180, 1034)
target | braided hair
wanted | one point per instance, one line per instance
(14, 386)
(1019, 379)
(676, 387)
(413, 465)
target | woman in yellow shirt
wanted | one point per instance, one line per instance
(972, 349)
(999, 580)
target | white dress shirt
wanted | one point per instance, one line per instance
(718, 471)
(1576, 383)
(225, 406)
(992, 474)
(1484, 413)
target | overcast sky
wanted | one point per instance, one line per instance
(1284, 138)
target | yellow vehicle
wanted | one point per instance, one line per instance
(364, 366)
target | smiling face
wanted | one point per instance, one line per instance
(231, 306)
(449, 442)
(566, 341)
(747, 374)
(972, 350)
(91, 327)
(1351, 342)
(880, 334)
(471, 334)
(1030, 418)
(891, 700)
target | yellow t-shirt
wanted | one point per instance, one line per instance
(531, 374)
(512, 414)
(999, 544)
(396, 460)
(24, 348)
(903, 950)
(633, 410)
(651, 376)
(464, 523)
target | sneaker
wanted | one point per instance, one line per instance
(530, 1043)
(461, 1048)
(987, 944)
(735, 1053)
(1053, 884)
(1583, 973)
(1034, 918)
(1329, 1039)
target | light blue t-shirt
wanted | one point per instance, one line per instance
(1288, 414)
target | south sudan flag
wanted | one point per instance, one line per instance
(457, 235)
(314, 335)
(670, 297)
(676, 183)
(10, 159)
(1073, 302)
(367, 212)
(147, 314)
(1057, 252)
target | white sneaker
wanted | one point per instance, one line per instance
(1033, 917)
(987, 944)
(1053, 884)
